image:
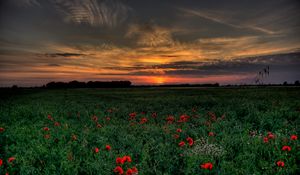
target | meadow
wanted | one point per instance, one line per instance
(147, 131)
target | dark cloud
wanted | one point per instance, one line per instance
(63, 54)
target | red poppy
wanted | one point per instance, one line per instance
(11, 159)
(50, 117)
(108, 147)
(118, 170)
(170, 119)
(108, 118)
(1, 162)
(99, 126)
(132, 115)
(46, 129)
(154, 115)
(183, 118)
(271, 135)
(176, 136)
(294, 137)
(207, 165)
(143, 120)
(56, 124)
(120, 160)
(211, 134)
(127, 159)
(129, 171)
(266, 140)
(96, 150)
(47, 136)
(95, 118)
(286, 148)
(190, 141)
(181, 144)
(134, 169)
(2, 129)
(179, 130)
(280, 163)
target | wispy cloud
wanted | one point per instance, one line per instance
(222, 18)
(93, 12)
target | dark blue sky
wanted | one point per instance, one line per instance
(148, 42)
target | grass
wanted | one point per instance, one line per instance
(238, 119)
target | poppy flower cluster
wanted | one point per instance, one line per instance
(269, 136)
(95, 120)
(280, 163)
(170, 119)
(107, 147)
(286, 148)
(189, 140)
(9, 160)
(183, 118)
(208, 166)
(132, 116)
(120, 161)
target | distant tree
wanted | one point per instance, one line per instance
(285, 83)
(297, 83)
(14, 87)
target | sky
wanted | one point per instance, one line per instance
(149, 41)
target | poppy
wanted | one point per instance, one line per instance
(179, 130)
(1, 162)
(127, 159)
(2, 129)
(280, 163)
(266, 140)
(154, 115)
(294, 137)
(190, 141)
(56, 124)
(143, 120)
(96, 150)
(134, 169)
(120, 160)
(47, 136)
(46, 129)
(211, 134)
(118, 170)
(50, 117)
(95, 118)
(108, 147)
(271, 135)
(207, 165)
(181, 144)
(99, 126)
(129, 171)
(286, 148)
(11, 159)
(176, 136)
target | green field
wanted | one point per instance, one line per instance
(227, 125)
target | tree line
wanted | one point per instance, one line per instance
(90, 84)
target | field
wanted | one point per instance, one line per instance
(150, 131)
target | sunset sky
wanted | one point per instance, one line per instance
(148, 41)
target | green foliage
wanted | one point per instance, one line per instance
(237, 146)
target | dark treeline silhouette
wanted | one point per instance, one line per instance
(127, 84)
(90, 84)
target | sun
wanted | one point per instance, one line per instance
(159, 80)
